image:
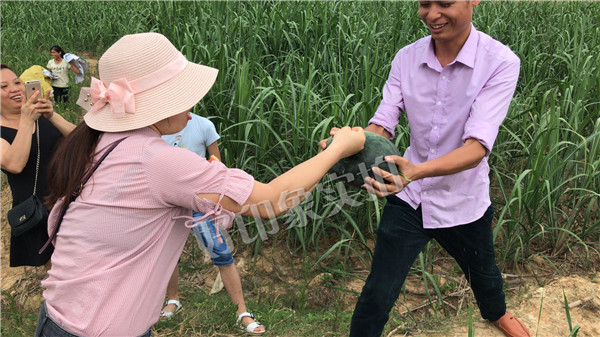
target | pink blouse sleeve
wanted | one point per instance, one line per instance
(176, 176)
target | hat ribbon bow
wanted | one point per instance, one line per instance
(118, 94)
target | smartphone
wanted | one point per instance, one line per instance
(30, 87)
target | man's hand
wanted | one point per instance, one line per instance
(388, 183)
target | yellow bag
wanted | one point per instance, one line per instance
(37, 73)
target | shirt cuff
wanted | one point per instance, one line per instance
(386, 117)
(483, 132)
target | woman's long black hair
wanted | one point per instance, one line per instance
(70, 161)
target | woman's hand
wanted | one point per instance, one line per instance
(45, 106)
(73, 68)
(29, 110)
(390, 183)
(373, 128)
(323, 143)
(348, 140)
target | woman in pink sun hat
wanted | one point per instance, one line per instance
(124, 228)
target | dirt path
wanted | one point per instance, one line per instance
(542, 310)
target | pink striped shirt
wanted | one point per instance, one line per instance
(120, 240)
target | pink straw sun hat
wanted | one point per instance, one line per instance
(143, 79)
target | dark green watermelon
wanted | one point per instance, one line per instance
(354, 169)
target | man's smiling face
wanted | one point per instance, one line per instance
(448, 21)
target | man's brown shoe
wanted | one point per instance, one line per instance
(511, 326)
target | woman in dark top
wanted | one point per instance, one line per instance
(18, 157)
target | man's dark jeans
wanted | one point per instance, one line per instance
(400, 239)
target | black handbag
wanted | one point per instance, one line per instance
(31, 212)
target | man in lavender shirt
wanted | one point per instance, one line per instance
(455, 87)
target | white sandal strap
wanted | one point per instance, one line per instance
(176, 302)
(244, 314)
(166, 314)
(252, 326)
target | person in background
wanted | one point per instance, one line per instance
(122, 234)
(18, 158)
(200, 136)
(60, 68)
(455, 87)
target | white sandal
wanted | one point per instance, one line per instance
(252, 326)
(169, 314)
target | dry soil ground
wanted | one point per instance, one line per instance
(541, 309)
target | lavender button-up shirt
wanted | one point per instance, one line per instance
(445, 106)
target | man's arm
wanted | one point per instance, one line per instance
(378, 129)
(465, 157)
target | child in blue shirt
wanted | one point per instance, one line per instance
(200, 136)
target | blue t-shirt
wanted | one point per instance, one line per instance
(198, 134)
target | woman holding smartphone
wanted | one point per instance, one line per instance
(21, 122)
(59, 67)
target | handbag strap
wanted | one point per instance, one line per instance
(37, 164)
(78, 192)
(89, 174)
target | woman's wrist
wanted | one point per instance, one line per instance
(50, 115)
(334, 150)
(26, 121)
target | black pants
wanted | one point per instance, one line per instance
(400, 239)
(46, 327)
(61, 95)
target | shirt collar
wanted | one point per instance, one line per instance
(428, 56)
(466, 55)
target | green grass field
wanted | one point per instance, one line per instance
(289, 71)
